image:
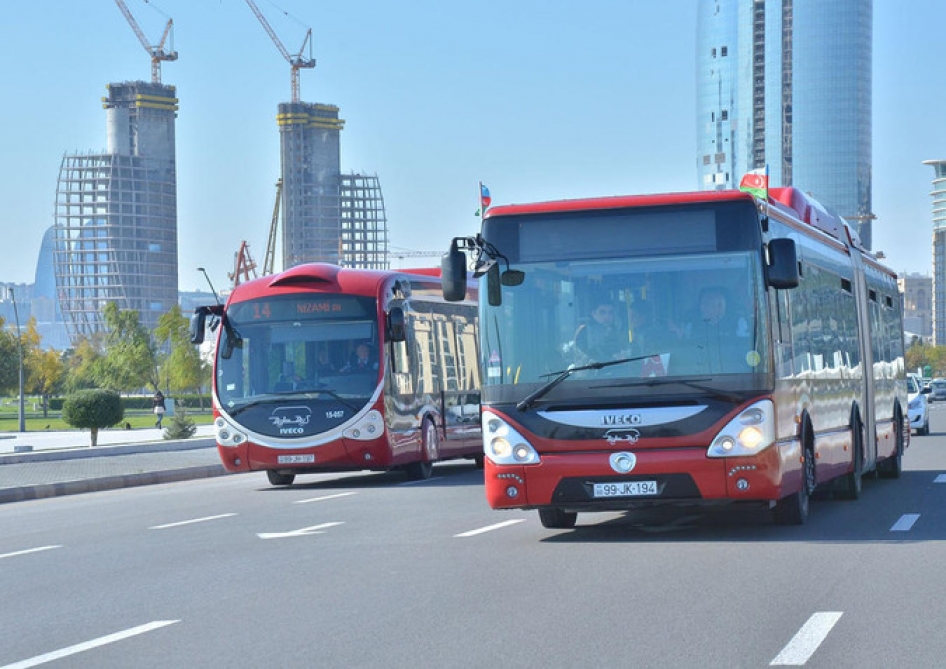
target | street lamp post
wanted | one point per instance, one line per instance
(19, 346)
(209, 283)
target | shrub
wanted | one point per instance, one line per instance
(93, 409)
(181, 426)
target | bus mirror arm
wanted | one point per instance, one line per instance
(782, 268)
(486, 257)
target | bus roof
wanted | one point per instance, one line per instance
(325, 276)
(789, 200)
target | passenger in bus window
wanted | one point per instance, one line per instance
(324, 363)
(600, 338)
(362, 360)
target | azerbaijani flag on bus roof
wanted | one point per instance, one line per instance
(485, 199)
(756, 183)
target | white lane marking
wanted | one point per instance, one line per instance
(806, 641)
(319, 499)
(905, 523)
(305, 531)
(88, 645)
(191, 521)
(28, 551)
(432, 478)
(490, 528)
(940, 479)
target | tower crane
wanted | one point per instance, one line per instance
(296, 61)
(157, 51)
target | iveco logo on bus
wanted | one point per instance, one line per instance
(611, 419)
(291, 420)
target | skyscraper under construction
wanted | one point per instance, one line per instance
(116, 213)
(327, 216)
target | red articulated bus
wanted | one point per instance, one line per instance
(321, 368)
(689, 348)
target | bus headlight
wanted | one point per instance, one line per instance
(227, 434)
(503, 445)
(749, 433)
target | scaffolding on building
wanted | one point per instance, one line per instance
(364, 238)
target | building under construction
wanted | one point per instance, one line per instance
(116, 213)
(327, 216)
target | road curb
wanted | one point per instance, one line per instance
(102, 451)
(45, 490)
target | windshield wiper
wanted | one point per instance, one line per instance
(528, 401)
(690, 383)
(281, 397)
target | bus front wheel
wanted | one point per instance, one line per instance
(276, 478)
(793, 510)
(556, 519)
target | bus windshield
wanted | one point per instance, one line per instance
(307, 346)
(673, 321)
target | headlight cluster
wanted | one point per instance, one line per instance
(227, 434)
(749, 433)
(504, 445)
(916, 402)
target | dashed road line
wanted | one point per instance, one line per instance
(191, 521)
(490, 528)
(940, 479)
(28, 551)
(321, 499)
(905, 523)
(807, 640)
(89, 645)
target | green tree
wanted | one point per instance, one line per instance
(93, 409)
(9, 360)
(130, 359)
(80, 364)
(182, 368)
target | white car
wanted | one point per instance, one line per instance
(917, 407)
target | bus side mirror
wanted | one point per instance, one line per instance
(494, 288)
(453, 274)
(198, 325)
(782, 271)
(396, 329)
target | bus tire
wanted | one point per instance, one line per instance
(423, 469)
(275, 478)
(852, 481)
(793, 509)
(892, 467)
(556, 519)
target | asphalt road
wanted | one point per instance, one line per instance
(367, 570)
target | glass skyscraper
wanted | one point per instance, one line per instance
(787, 84)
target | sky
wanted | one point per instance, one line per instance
(537, 99)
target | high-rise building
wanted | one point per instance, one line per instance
(917, 293)
(939, 250)
(787, 84)
(116, 213)
(327, 216)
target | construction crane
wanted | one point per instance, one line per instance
(269, 261)
(244, 267)
(157, 51)
(401, 254)
(296, 62)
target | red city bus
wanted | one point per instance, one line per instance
(686, 348)
(321, 368)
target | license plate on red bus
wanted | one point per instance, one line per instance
(295, 459)
(625, 489)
